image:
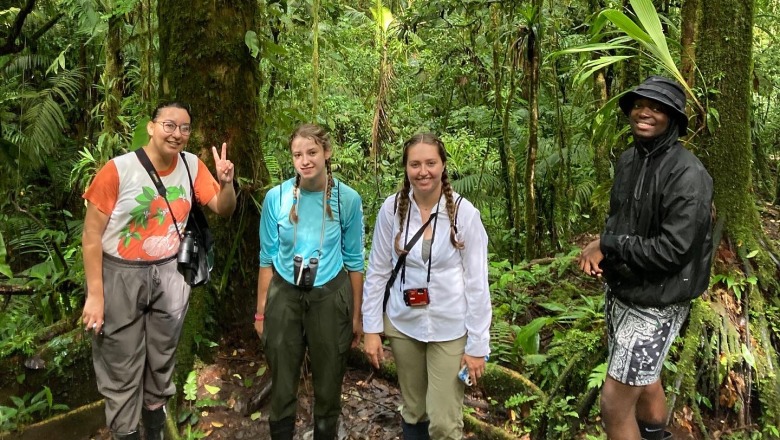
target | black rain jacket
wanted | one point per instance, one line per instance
(657, 241)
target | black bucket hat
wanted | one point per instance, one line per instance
(661, 89)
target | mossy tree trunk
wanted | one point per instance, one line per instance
(724, 56)
(726, 39)
(205, 62)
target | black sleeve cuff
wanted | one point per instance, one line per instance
(608, 243)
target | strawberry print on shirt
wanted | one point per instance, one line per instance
(140, 225)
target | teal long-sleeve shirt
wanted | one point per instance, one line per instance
(343, 240)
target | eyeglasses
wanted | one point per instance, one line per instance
(170, 127)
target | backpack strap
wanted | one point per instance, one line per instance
(457, 211)
(192, 185)
(341, 221)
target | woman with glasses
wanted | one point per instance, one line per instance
(136, 297)
(427, 290)
(310, 283)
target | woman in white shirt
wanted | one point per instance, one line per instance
(437, 315)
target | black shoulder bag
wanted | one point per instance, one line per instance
(196, 251)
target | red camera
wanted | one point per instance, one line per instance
(416, 297)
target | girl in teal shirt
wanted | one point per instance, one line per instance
(310, 283)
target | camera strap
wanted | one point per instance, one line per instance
(147, 164)
(435, 216)
(402, 259)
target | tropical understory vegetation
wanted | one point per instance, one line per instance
(523, 94)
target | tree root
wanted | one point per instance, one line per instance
(486, 431)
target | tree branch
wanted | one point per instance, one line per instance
(49, 24)
(10, 45)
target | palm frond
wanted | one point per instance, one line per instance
(26, 63)
(43, 120)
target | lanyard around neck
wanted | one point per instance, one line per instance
(433, 235)
(297, 199)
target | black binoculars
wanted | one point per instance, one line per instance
(187, 257)
(305, 274)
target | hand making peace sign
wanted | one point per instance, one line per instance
(223, 166)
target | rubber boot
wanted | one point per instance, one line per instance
(154, 423)
(418, 431)
(282, 429)
(326, 428)
(667, 435)
(135, 435)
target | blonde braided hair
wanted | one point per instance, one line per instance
(320, 137)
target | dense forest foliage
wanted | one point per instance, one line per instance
(523, 93)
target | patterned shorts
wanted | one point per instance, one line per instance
(639, 339)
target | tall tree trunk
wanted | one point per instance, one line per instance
(533, 53)
(602, 140)
(726, 39)
(205, 62)
(145, 21)
(506, 154)
(381, 130)
(690, 17)
(724, 56)
(315, 58)
(558, 222)
(601, 162)
(112, 79)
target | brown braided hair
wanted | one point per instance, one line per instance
(320, 137)
(403, 195)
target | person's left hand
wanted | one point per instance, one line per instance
(476, 366)
(223, 166)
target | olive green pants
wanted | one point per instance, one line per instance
(320, 319)
(428, 376)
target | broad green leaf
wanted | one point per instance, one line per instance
(625, 24)
(528, 335)
(748, 356)
(591, 66)
(591, 48)
(211, 389)
(251, 41)
(140, 137)
(383, 17)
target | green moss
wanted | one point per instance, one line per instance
(194, 324)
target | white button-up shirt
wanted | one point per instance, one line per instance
(458, 288)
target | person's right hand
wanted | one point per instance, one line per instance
(259, 328)
(372, 346)
(92, 316)
(590, 258)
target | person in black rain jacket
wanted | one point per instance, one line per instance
(655, 254)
